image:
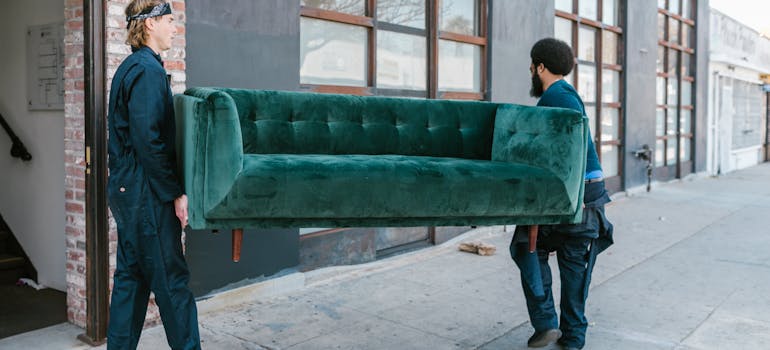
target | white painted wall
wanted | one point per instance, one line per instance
(737, 53)
(32, 193)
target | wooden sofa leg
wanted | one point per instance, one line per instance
(237, 240)
(532, 238)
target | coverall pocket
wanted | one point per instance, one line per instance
(132, 210)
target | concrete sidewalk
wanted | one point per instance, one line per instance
(690, 269)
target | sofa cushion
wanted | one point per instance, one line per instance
(308, 123)
(388, 186)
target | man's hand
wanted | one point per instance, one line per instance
(180, 206)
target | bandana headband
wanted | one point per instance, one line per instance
(159, 10)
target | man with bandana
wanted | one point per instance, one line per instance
(576, 245)
(145, 194)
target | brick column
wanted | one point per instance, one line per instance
(74, 134)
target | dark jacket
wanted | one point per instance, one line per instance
(142, 128)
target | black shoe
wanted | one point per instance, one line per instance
(544, 338)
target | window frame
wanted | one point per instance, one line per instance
(665, 166)
(432, 35)
(599, 66)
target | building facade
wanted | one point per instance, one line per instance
(739, 74)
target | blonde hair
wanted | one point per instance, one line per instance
(137, 35)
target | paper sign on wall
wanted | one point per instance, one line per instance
(45, 67)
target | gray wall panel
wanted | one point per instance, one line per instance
(641, 50)
(514, 27)
(250, 44)
(701, 84)
(243, 43)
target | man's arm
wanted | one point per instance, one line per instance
(146, 110)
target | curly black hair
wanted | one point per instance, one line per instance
(554, 54)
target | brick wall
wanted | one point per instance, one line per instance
(74, 133)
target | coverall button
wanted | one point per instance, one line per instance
(122, 189)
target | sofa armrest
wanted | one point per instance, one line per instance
(554, 139)
(211, 148)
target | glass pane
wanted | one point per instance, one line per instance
(673, 30)
(459, 16)
(570, 78)
(587, 9)
(661, 26)
(687, 37)
(609, 12)
(684, 148)
(686, 71)
(610, 48)
(660, 122)
(587, 83)
(609, 160)
(673, 6)
(662, 4)
(672, 61)
(591, 114)
(659, 147)
(459, 66)
(673, 89)
(661, 59)
(670, 151)
(685, 121)
(563, 30)
(687, 9)
(686, 93)
(353, 7)
(332, 53)
(401, 61)
(610, 85)
(671, 122)
(564, 5)
(661, 91)
(610, 123)
(410, 13)
(587, 44)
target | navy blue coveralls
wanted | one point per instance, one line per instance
(142, 187)
(576, 246)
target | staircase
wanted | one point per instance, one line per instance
(14, 264)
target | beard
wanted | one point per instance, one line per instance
(537, 86)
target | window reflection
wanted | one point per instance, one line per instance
(332, 53)
(401, 61)
(353, 7)
(610, 48)
(609, 160)
(587, 9)
(563, 30)
(410, 13)
(458, 16)
(587, 82)
(587, 44)
(459, 67)
(610, 86)
(564, 5)
(610, 124)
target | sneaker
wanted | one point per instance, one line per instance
(544, 338)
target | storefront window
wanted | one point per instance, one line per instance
(408, 56)
(599, 71)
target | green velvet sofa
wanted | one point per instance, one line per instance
(257, 159)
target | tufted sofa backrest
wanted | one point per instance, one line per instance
(309, 123)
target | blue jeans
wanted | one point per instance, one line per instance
(576, 257)
(576, 247)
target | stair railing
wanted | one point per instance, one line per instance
(18, 150)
